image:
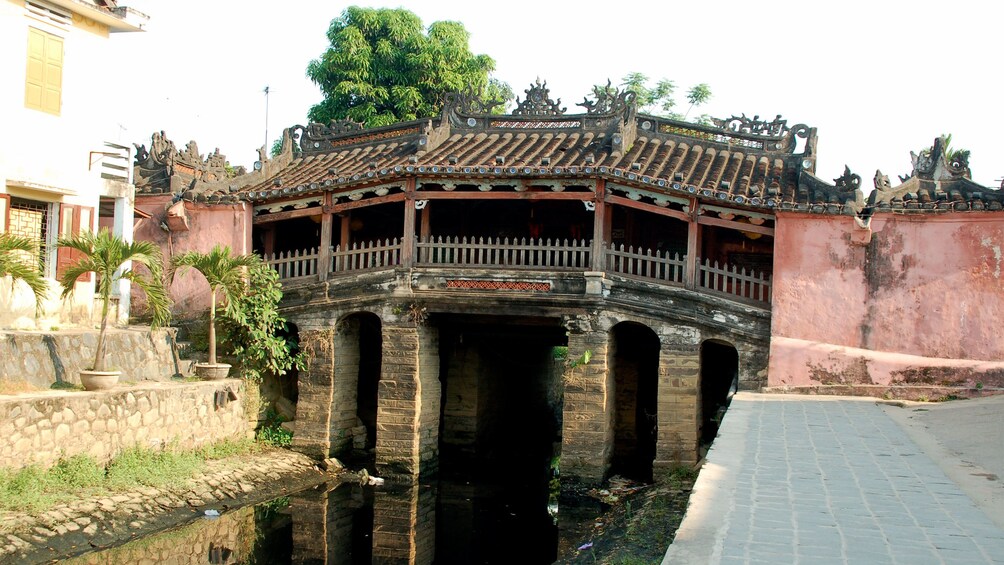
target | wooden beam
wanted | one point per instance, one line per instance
(628, 203)
(733, 225)
(352, 205)
(430, 195)
(288, 215)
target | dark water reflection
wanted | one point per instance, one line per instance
(441, 523)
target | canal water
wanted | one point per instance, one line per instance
(440, 523)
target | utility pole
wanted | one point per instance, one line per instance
(266, 119)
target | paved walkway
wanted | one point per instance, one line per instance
(818, 480)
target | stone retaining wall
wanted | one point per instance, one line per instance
(41, 358)
(40, 428)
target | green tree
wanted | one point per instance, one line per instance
(13, 250)
(383, 67)
(104, 254)
(254, 330)
(224, 272)
(659, 99)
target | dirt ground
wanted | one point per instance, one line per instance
(637, 526)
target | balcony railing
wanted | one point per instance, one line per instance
(528, 255)
(294, 264)
(366, 256)
(734, 281)
(646, 264)
(536, 254)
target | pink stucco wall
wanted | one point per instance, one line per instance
(928, 286)
(208, 226)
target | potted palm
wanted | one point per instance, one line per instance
(111, 258)
(13, 249)
(225, 273)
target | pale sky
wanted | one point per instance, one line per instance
(878, 78)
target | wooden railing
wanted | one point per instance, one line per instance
(521, 253)
(734, 281)
(645, 263)
(366, 256)
(529, 254)
(294, 264)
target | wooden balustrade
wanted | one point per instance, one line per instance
(734, 281)
(528, 254)
(366, 256)
(294, 264)
(645, 263)
(521, 253)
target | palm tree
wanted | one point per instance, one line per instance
(12, 264)
(224, 272)
(104, 254)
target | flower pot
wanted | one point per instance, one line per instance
(208, 372)
(99, 380)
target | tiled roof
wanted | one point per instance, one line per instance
(748, 162)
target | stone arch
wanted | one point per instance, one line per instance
(358, 353)
(633, 372)
(719, 379)
(282, 392)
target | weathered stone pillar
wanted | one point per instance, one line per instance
(316, 387)
(408, 400)
(587, 435)
(406, 526)
(677, 440)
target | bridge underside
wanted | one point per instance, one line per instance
(424, 369)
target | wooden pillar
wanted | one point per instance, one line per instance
(601, 224)
(269, 241)
(693, 246)
(425, 230)
(408, 243)
(343, 239)
(324, 247)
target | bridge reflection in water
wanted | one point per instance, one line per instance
(445, 523)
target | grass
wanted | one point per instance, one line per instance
(34, 489)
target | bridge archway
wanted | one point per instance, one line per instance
(719, 378)
(357, 375)
(634, 366)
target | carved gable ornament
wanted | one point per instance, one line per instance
(538, 102)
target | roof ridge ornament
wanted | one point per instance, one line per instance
(538, 102)
(469, 103)
(754, 126)
(608, 100)
(939, 162)
(848, 180)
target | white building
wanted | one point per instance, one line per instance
(58, 173)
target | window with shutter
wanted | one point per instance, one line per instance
(43, 88)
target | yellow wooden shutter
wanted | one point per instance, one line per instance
(44, 76)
